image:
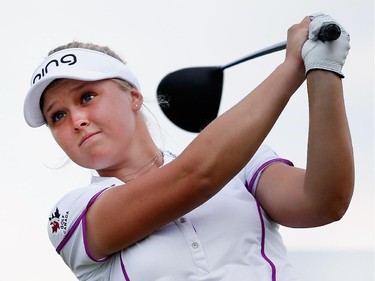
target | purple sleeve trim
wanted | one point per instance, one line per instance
(93, 199)
(124, 270)
(69, 234)
(250, 185)
(82, 217)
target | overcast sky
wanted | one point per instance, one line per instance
(157, 37)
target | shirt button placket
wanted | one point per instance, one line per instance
(195, 245)
(197, 252)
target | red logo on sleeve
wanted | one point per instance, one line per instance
(54, 221)
(58, 222)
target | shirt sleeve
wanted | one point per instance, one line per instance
(263, 158)
(67, 226)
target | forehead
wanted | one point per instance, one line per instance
(60, 87)
(59, 84)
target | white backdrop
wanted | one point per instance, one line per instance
(157, 37)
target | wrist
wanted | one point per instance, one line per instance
(294, 68)
(321, 75)
(323, 86)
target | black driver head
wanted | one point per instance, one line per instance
(192, 96)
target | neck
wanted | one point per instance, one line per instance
(136, 159)
(153, 162)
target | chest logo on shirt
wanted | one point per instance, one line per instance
(58, 222)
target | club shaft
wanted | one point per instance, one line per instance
(262, 52)
(329, 32)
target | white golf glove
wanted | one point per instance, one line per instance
(327, 55)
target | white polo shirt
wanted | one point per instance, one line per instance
(227, 238)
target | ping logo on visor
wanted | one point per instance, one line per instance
(68, 59)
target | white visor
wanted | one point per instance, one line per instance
(75, 63)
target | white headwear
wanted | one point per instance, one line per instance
(75, 63)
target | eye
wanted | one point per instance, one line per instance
(57, 116)
(86, 97)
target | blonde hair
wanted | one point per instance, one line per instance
(76, 44)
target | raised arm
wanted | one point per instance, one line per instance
(207, 164)
(321, 194)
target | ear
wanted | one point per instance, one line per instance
(136, 99)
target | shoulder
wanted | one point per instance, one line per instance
(71, 206)
(264, 153)
(264, 157)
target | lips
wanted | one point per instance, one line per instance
(87, 136)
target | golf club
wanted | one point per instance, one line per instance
(190, 97)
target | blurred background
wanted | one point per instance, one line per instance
(158, 37)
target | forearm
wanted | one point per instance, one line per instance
(330, 170)
(230, 141)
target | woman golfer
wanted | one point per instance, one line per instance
(212, 212)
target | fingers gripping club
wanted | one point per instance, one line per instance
(318, 54)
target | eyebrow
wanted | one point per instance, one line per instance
(76, 88)
(49, 108)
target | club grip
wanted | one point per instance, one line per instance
(329, 32)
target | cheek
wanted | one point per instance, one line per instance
(63, 139)
(118, 117)
(66, 143)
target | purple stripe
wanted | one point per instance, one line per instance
(77, 222)
(250, 185)
(70, 233)
(92, 201)
(263, 242)
(123, 269)
(86, 244)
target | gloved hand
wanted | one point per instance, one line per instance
(327, 55)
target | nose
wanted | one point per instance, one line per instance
(80, 121)
(79, 124)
